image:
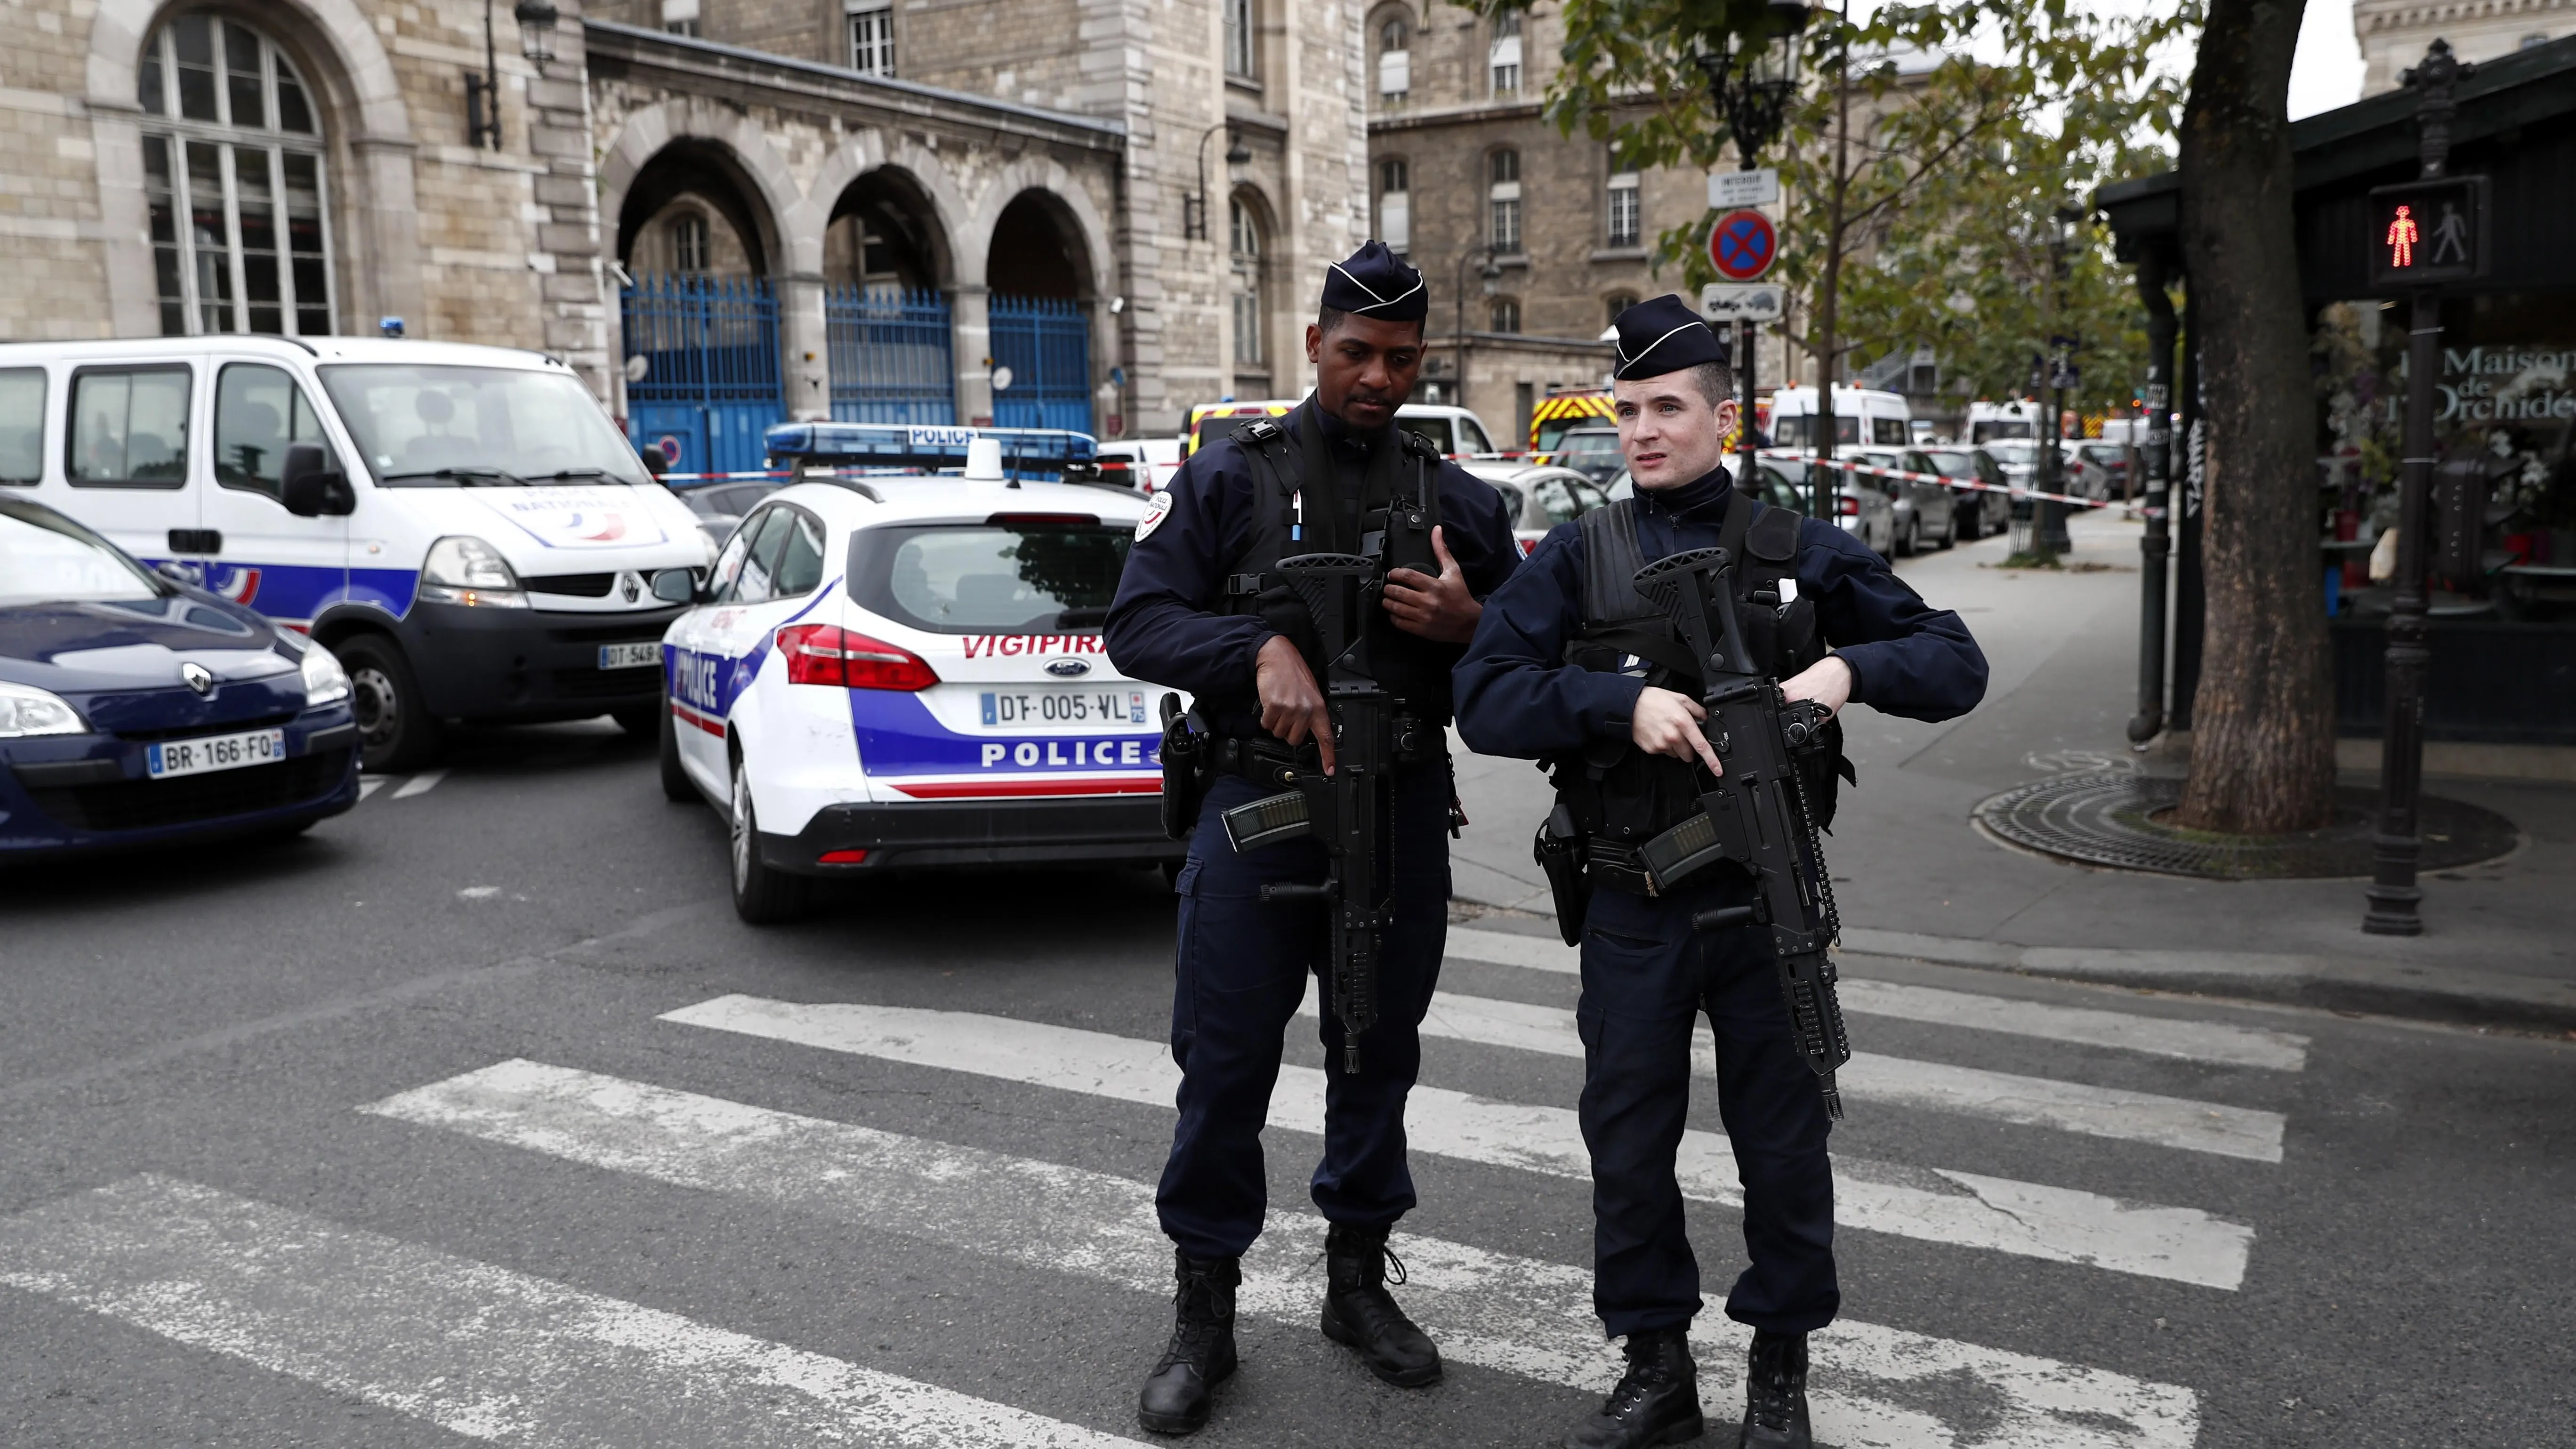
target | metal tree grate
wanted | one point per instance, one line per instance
(2114, 820)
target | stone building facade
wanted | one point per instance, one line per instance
(2394, 33)
(1465, 172)
(309, 165)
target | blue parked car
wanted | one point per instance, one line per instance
(136, 710)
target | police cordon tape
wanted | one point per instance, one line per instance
(1944, 479)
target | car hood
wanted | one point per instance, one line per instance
(91, 647)
(574, 529)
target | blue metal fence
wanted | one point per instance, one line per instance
(711, 381)
(1046, 343)
(889, 354)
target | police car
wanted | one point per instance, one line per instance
(904, 669)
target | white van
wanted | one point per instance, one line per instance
(1993, 422)
(463, 526)
(1863, 417)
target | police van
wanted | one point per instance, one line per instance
(463, 526)
(897, 663)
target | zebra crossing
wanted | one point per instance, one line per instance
(493, 1353)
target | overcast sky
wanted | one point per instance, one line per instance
(2327, 73)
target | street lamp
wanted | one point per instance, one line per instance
(1751, 82)
(483, 92)
(1492, 273)
(2048, 517)
(1194, 209)
(536, 29)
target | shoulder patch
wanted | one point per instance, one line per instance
(1157, 509)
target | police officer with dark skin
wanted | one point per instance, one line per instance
(1201, 609)
(1549, 677)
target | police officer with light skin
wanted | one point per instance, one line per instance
(1200, 608)
(1544, 679)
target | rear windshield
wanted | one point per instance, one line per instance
(1035, 578)
(46, 558)
(1954, 465)
(1591, 444)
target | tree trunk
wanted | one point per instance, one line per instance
(2263, 719)
(1827, 484)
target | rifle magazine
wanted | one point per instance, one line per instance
(1267, 821)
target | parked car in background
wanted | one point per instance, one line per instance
(1979, 511)
(1454, 431)
(1592, 452)
(1781, 481)
(1144, 464)
(135, 709)
(1557, 414)
(2107, 470)
(1925, 512)
(719, 506)
(1538, 496)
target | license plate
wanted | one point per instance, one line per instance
(215, 752)
(629, 656)
(1069, 708)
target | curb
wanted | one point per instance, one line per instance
(2449, 994)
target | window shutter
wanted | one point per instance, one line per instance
(1394, 72)
(1395, 220)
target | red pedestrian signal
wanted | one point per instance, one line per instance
(2401, 238)
(2428, 232)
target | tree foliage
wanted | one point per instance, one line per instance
(1918, 180)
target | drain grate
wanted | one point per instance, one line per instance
(2113, 820)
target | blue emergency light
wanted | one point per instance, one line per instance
(1026, 452)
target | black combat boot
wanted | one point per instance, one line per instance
(1360, 1313)
(1180, 1390)
(1657, 1401)
(1775, 1391)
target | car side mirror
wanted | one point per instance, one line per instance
(676, 586)
(310, 487)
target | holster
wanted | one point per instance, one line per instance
(1185, 768)
(1559, 851)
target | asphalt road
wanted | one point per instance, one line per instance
(380, 1136)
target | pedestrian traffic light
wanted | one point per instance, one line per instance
(2423, 233)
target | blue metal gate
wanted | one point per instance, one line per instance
(711, 381)
(1046, 343)
(890, 359)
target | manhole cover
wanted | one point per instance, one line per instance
(2113, 820)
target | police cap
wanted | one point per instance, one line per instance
(1663, 335)
(1375, 282)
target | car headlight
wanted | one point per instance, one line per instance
(26, 710)
(462, 569)
(325, 682)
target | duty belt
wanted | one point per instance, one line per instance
(1266, 762)
(1660, 864)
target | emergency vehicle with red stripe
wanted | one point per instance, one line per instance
(892, 666)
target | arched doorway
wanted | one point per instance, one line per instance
(699, 315)
(885, 304)
(1039, 272)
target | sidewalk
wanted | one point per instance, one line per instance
(1915, 879)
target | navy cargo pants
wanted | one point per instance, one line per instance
(1647, 976)
(1242, 965)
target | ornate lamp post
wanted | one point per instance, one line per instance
(1751, 83)
(1194, 208)
(483, 92)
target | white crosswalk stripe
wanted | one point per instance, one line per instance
(1933, 1204)
(1516, 1315)
(1938, 1086)
(481, 1350)
(2216, 1043)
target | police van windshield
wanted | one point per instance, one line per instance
(1038, 577)
(1800, 430)
(1983, 430)
(425, 426)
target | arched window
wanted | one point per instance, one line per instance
(1503, 200)
(689, 243)
(1614, 304)
(1506, 315)
(1249, 301)
(1394, 58)
(234, 175)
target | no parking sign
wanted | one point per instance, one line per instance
(1742, 245)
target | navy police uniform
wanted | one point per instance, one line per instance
(1242, 964)
(1647, 974)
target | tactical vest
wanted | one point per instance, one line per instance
(1618, 793)
(1397, 526)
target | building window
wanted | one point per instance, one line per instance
(1503, 200)
(1249, 309)
(680, 17)
(1394, 59)
(1614, 304)
(1506, 315)
(237, 187)
(871, 36)
(1395, 205)
(1239, 39)
(1623, 226)
(689, 244)
(1503, 56)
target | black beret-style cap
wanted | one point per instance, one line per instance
(1663, 335)
(1375, 282)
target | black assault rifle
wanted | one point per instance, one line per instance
(1348, 808)
(1756, 813)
